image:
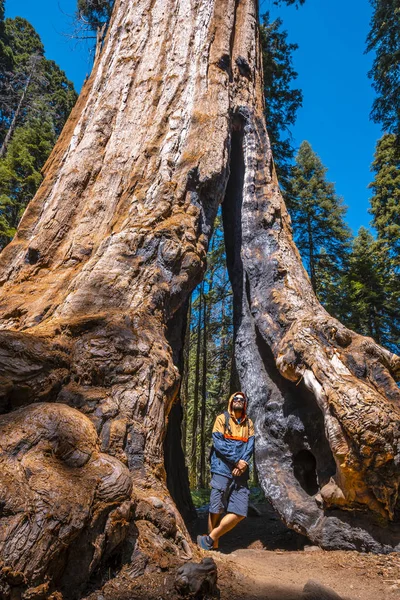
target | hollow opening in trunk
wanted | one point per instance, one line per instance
(208, 365)
(204, 354)
(305, 471)
(208, 368)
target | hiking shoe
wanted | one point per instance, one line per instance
(203, 542)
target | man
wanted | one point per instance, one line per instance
(233, 445)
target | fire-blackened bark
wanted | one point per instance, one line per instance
(106, 255)
(324, 399)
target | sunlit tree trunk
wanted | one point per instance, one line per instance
(93, 288)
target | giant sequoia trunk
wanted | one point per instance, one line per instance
(92, 306)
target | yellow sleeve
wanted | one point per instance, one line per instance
(219, 425)
(251, 428)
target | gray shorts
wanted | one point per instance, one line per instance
(228, 495)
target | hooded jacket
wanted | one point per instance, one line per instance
(231, 446)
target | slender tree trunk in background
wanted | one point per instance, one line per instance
(202, 473)
(20, 106)
(195, 416)
(206, 320)
(207, 303)
(93, 287)
(223, 365)
(185, 377)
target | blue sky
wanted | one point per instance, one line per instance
(332, 70)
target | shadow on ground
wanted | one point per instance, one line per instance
(263, 532)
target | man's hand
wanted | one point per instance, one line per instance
(240, 468)
(242, 465)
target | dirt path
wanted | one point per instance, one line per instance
(261, 558)
(274, 575)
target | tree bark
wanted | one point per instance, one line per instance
(91, 301)
(311, 256)
(324, 399)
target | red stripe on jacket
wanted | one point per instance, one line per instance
(235, 437)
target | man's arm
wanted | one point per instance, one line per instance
(220, 444)
(249, 447)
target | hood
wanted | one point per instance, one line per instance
(230, 410)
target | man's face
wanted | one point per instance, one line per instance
(238, 403)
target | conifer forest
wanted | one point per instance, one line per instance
(165, 243)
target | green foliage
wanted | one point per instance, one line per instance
(385, 202)
(47, 84)
(384, 40)
(23, 40)
(35, 100)
(3, 46)
(57, 94)
(373, 291)
(321, 234)
(257, 496)
(20, 171)
(281, 100)
(95, 12)
(6, 64)
(200, 496)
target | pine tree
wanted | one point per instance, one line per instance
(318, 222)
(20, 171)
(6, 58)
(384, 39)
(95, 12)
(281, 100)
(373, 291)
(6, 68)
(35, 100)
(39, 81)
(385, 202)
(27, 53)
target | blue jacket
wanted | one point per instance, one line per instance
(230, 447)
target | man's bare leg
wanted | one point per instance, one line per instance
(213, 521)
(228, 522)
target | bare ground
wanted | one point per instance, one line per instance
(262, 560)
